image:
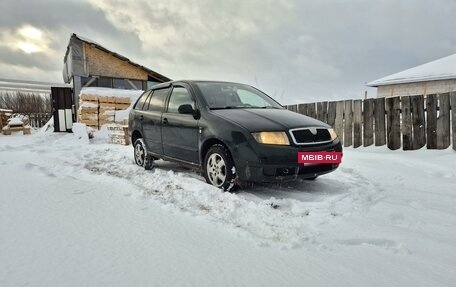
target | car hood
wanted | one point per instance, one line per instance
(268, 119)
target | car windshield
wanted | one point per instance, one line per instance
(235, 96)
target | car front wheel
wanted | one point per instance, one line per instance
(219, 168)
(141, 157)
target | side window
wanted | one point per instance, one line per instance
(157, 102)
(179, 96)
(142, 100)
(146, 103)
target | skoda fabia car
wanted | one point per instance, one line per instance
(232, 132)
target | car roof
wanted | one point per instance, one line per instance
(167, 84)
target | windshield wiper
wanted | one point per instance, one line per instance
(228, 107)
(243, 107)
(269, 107)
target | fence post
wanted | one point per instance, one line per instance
(311, 110)
(443, 121)
(302, 109)
(393, 123)
(368, 115)
(407, 139)
(348, 123)
(339, 121)
(453, 117)
(379, 123)
(322, 111)
(357, 123)
(431, 118)
(331, 114)
(419, 122)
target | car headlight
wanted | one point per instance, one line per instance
(332, 133)
(277, 138)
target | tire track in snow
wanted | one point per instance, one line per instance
(260, 219)
(288, 216)
(287, 221)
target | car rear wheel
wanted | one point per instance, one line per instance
(141, 157)
(219, 168)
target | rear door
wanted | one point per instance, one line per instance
(180, 131)
(136, 117)
(152, 120)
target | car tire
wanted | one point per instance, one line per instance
(219, 169)
(141, 157)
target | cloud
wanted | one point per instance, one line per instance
(248, 41)
(27, 39)
(297, 51)
(57, 20)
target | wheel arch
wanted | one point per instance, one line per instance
(207, 145)
(135, 135)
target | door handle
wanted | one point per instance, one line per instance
(165, 121)
(141, 117)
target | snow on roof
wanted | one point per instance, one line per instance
(441, 69)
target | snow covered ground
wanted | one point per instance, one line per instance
(74, 213)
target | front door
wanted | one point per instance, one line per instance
(180, 129)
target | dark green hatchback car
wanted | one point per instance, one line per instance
(232, 132)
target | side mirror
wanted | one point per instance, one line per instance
(186, 109)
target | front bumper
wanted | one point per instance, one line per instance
(280, 164)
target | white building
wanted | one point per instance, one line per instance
(435, 77)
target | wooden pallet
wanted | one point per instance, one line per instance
(118, 134)
(8, 129)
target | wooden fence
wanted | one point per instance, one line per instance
(410, 122)
(37, 120)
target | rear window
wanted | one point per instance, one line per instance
(142, 101)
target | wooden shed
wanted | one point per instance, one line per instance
(435, 77)
(89, 64)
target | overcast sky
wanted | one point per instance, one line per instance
(296, 51)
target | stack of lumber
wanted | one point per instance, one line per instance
(122, 103)
(100, 106)
(88, 110)
(107, 110)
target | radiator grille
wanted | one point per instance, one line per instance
(309, 136)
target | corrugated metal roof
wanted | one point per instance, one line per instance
(441, 69)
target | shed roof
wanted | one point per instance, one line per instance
(441, 69)
(123, 58)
